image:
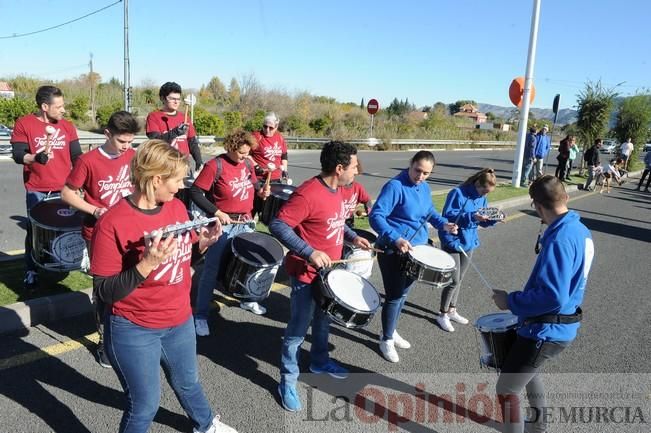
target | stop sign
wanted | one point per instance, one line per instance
(373, 106)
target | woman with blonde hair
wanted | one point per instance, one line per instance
(461, 206)
(144, 278)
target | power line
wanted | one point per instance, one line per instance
(20, 35)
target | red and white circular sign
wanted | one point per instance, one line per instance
(373, 106)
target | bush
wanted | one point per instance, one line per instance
(232, 121)
(12, 109)
(206, 123)
(105, 111)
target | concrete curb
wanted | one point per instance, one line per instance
(23, 315)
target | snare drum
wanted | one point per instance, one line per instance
(496, 336)
(429, 265)
(279, 195)
(57, 244)
(252, 267)
(347, 298)
(363, 268)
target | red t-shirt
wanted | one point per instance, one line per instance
(234, 190)
(52, 175)
(162, 122)
(105, 181)
(269, 150)
(163, 299)
(353, 194)
(317, 215)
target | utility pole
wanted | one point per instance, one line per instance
(524, 110)
(127, 78)
(91, 79)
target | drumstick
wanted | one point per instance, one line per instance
(481, 276)
(421, 226)
(49, 132)
(185, 117)
(271, 166)
(358, 259)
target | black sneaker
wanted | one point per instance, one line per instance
(31, 281)
(102, 359)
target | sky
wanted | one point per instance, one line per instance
(423, 50)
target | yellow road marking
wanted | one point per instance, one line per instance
(90, 339)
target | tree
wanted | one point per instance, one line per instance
(440, 108)
(12, 109)
(594, 106)
(78, 108)
(633, 121)
(208, 124)
(234, 92)
(217, 90)
(232, 121)
(362, 105)
(105, 111)
(255, 122)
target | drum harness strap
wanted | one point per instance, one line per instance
(557, 319)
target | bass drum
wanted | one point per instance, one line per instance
(57, 244)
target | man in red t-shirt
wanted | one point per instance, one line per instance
(46, 145)
(311, 224)
(173, 126)
(271, 149)
(103, 174)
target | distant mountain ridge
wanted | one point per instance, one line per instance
(565, 115)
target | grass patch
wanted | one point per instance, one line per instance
(11, 283)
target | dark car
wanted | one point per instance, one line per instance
(5, 147)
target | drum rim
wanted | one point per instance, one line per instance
(341, 301)
(250, 263)
(56, 229)
(483, 328)
(425, 265)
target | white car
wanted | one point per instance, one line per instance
(609, 146)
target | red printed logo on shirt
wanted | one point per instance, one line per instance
(273, 152)
(241, 186)
(170, 270)
(336, 226)
(111, 190)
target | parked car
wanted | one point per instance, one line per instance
(5, 131)
(609, 146)
(647, 147)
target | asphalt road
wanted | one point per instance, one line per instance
(452, 168)
(50, 382)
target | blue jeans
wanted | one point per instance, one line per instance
(303, 311)
(32, 198)
(526, 171)
(396, 288)
(211, 267)
(136, 354)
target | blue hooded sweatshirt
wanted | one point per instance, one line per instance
(543, 145)
(558, 279)
(460, 207)
(400, 209)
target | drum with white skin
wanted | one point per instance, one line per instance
(429, 265)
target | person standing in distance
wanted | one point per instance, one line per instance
(271, 150)
(46, 145)
(169, 124)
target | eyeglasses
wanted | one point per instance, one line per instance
(268, 127)
(170, 99)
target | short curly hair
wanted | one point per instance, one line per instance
(239, 138)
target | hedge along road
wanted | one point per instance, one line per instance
(452, 168)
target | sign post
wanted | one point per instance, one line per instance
(372, 107)
(191, 100)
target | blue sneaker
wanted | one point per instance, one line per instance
(332, 368)
(289, 398)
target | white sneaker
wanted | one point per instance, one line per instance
(444, 322)
(217, 427)
(400, 342)
(388, 350)
(201, 327)
(456, 317)
(253, 307)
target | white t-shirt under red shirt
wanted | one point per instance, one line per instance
(104, 179)
(163, 299)
(317, 215)
(51, 176)
(234, 191)
(162, 122)
(269, 150)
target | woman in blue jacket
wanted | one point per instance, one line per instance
(399, 217)
(548, 308)
(461, 206)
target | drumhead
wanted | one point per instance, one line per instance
(496, 322)
(257, 249)
(281, 190)
(56, 214)
(432, 257)
(353, 290)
